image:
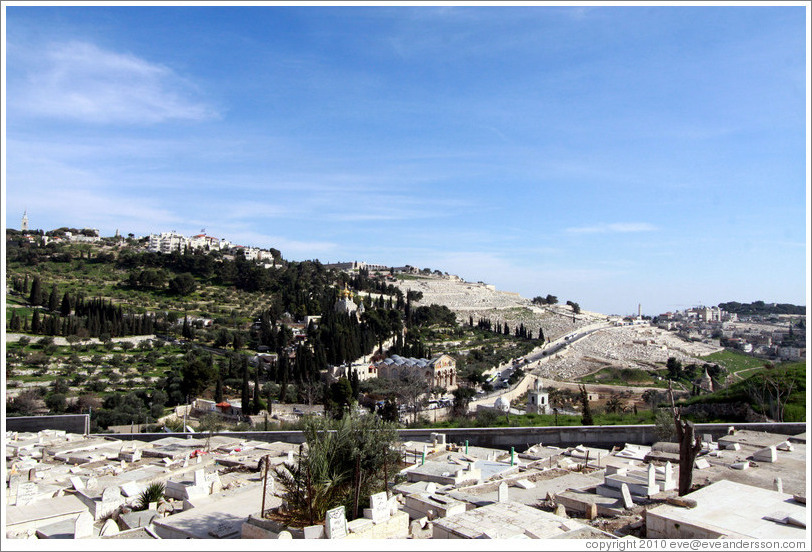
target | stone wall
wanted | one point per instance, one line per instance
(519, 437)
(72, 423)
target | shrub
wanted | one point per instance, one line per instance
(153, 493)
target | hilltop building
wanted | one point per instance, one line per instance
(24, 224)
(346, 305)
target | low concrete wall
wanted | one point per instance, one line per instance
(519, 437)
(72, 423)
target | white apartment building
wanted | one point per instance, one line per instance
(167, 242)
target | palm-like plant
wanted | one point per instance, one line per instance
(323, 478)
(153, 493)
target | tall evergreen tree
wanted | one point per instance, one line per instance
(35, 325)
(36, 292)
(245, 397)
(218, 388)
(53, 299)
(65, 309)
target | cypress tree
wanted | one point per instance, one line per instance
(65, 309)
(245, 397)
(35, 322)
(255, 404)
(53, 300)
(218, 389)
(36, 292)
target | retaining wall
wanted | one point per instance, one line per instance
(72, 423)
(519, 437)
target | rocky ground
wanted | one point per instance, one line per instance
(641, 347)
(477, 300)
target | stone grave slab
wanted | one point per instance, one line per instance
(379, 507)
(335, 523)
(83, 526)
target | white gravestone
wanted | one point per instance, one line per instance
(701, 464)
(766, 455)
(109, 528)
(111, 494)
(628, 503)
(130, 489)
(652, 478)
(77, 483)
(779, 485)
(92, 483)
(83, 526)
(502, 492)
(335, 523)
(26, 492)
(668, 483)
(379, 506)
(200, 478)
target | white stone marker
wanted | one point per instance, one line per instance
(701, 464)
(431, 488)
(628, 503)
(785, 446)
(379, 506)
(200, 478)
(290, 457)
(779, 485)
(768, 454)
(26, 492)
(668, 481)
(740, 465)
(285, 535)
(502, 493)
(92, 483)
(130, 489)
(83, 526)
(335, 523)
(652, 479)
(111, 494)
(77, 483)
(109, 528)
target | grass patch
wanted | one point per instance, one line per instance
(734, 361)
(790, 375)
(623, 376)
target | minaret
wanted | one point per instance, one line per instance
(639, 310)
(24, 225)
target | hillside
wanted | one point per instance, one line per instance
(130, 334)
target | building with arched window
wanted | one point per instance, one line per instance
(441, 371)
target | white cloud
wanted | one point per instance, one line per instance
(80, 81)
(616, 227)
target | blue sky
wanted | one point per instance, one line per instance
(607, 155)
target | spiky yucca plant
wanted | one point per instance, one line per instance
(153, 493)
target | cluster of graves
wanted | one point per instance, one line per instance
(67, 486)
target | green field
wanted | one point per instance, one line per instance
(734, 361)
(624, 376)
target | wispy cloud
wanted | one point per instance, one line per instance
(616, 227)
(79, 81)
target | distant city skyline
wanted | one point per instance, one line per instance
(612, 156)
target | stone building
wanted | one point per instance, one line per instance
(538, 400)
(441, 371)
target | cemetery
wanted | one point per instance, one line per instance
(748, 485)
